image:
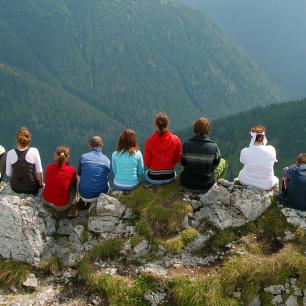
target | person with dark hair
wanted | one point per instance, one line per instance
(162, 152)
(94, 168)
(127, 162)
(2, 162)
(293, 192)
(60, 181)
(258, 160)
(23, 165)
(201, 158)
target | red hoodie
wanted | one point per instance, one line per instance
(162, 152)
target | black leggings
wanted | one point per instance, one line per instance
(2, 166)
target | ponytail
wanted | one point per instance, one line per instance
(61, 155)
(162, 121)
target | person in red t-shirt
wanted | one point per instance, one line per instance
(162, 152)
(60, 181)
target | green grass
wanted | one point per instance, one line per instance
(135, 240)
(13, 273)
(221, 238)
(158, 213)
(108, 249)
(53, 265)
(174, 245)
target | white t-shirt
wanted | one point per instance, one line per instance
(258, 167)
(32, 157)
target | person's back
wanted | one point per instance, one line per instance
(94, 168)
(23, 165)
(294, 193)
(200, 157)
(60, 179)
(127, 162)
(162, 153)
(2, 162)
(258, 160)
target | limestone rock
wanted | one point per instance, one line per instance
(31, 281)
(295, 217)
(26, 227)
(108, 206)
(276, 289)
(224, 208)
(292, 301)
(155, 298)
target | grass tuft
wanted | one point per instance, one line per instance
(13, 273)
(174, 245)
(53, 265)
(108, 249)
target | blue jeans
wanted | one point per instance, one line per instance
(116, 187)
(157, 182)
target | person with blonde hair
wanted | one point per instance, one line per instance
(60, 181)
(293, 188)
(127, 162)
(23, 165)
(162, 152)
(258, 160)
(2, 162)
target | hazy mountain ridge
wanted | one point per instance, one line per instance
(122, 61)
(273, 32)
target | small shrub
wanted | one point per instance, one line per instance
(188, 235)
(13, 273)
(221, 239)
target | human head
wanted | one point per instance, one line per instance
(162, 122)
(23, 137)
(127, 142)
(260, 130)
(96, 142)
(201, 127)
(301, 159)
(62, 155)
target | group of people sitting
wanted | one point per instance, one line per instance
(200, 158)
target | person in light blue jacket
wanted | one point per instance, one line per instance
(127, 162)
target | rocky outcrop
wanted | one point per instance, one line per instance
(227, 205)
(26, 231)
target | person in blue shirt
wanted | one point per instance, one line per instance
(127, 162)
(93, 172)
(294, 184)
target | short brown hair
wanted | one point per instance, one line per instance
(162, 122)
(96, 141)
(61, 153)
(259, 129)
(301, 159)
(23, 137)
(127, 142)
(201, 127)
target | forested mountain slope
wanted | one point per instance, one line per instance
(104, 62)
(273, 32)
(286, 130)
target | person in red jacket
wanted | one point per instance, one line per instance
(60, 181)
(162, 152)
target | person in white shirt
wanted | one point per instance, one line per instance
(23, 165)
(258, 160)
(2, 162)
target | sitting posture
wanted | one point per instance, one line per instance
(60, 181)
(294, 184)
(127, 162)
(258, 160)
(23, 165)
(94, 168)
(2, 162)
(201, 158)
(162, 153)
